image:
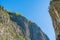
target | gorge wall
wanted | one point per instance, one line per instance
(54, 11)
(14, 26)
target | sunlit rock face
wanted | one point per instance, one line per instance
(54, 11)
(14, 26)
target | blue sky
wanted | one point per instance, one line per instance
(35, 10)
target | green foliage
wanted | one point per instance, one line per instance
(1, 7)
(30, 21)
(18, 14)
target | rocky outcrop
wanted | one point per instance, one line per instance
(14, 26)
(54, 11)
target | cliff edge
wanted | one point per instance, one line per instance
(54, 11)
(14, 26)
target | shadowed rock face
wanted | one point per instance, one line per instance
(16, 27)
(54, 10)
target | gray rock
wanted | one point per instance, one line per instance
(16, 27)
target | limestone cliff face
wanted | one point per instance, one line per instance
(54, 10)
(16, 27)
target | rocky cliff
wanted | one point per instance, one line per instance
(54, 11)
(14, 26)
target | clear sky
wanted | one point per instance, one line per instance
(35, 10)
